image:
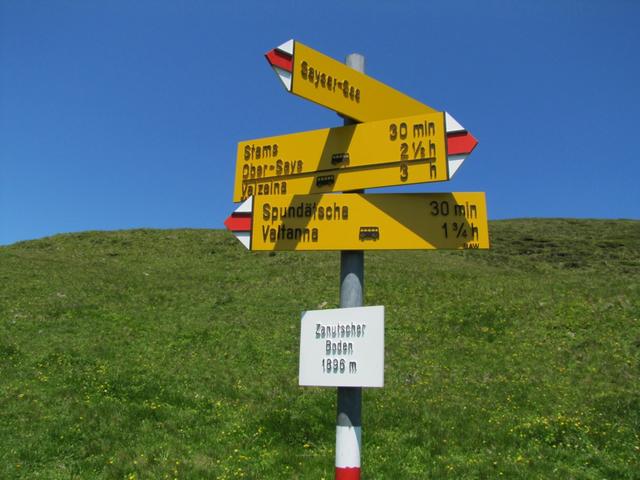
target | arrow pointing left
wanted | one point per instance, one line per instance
(350, 221)
(239, 222)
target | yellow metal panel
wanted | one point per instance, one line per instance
(398, 151)
(332, 84)
(350, 221)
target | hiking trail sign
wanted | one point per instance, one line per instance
(401, 151)
(401, 141)
(353, 221)
(332, 84)
(342, 347)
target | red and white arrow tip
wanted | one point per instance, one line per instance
(239, 222)
(460, 143)
(281, 60)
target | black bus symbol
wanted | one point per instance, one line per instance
(369, 233)
(339, 158)
(325, 180)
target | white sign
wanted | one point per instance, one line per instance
(342, 347)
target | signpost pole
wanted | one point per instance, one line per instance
(349, 403)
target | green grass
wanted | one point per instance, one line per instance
(173, 354)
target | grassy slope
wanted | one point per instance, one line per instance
(164, 354)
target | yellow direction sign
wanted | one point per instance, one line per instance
(374, 154)
(332, 84)
(351, 221)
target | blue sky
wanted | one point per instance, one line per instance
(119, 114)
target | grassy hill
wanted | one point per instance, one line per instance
(173, 354)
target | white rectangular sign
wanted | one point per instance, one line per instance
(342, 347)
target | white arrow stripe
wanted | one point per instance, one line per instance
(286, 47)
(454, 163)
(284, 76)
(246, 206)
(452, 124)
(244, 238)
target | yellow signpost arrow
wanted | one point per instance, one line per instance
(374, 154)
(353, 221)
(323, 80)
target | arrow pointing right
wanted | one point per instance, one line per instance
(401, 151)
(460, 143)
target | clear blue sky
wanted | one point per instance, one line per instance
(120, 114)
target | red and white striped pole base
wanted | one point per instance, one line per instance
(348, 443)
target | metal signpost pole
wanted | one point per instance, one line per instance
(348, 420)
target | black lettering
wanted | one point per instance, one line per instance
(404, 171)
(418, 150)
(433, 171)
(403, 130)
(336, 212)
(404, 151)
(432, 149)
